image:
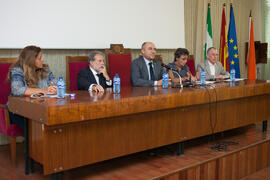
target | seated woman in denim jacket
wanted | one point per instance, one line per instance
(30, 76)
(179, 65)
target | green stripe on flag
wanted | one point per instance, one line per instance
(208, 36)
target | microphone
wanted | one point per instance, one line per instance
(165, 66)
(171, 69)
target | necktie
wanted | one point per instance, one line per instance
(152, 76)
(99, 77)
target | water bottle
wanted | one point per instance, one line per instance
(116, 84)
(202, 76)
(232, 83)
(165, 80)
(232, 74)
(61, 90)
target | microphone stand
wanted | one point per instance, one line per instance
(169, 68)
(180, 79)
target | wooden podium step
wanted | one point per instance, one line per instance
(247, 151)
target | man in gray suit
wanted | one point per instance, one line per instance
(212, 67)
(145, 71)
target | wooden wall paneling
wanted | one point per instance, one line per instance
(252, 152)
(235, 166)
(191, 119)
(53, 158)
(268, 153)
(191, 173)
(202, 172)
(262, 107)
(212, 170)
(36, 147)
(243, 163)
(220, 172)
(258, 157)
(264, 154)
(174, 177)
(182, 175)
(228, 166)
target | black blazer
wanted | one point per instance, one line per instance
(85, 78)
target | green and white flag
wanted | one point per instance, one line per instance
(208, 36)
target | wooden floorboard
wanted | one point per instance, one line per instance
(154, 163)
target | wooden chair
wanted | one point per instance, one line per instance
(6, 128)
(73, 65)
(119, 61)
(191, 64)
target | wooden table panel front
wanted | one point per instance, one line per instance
(68, 133)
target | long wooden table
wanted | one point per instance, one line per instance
(69, 133)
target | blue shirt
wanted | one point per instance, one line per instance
(19, 85)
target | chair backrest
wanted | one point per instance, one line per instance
(158, 57)
(73, 65)
(119, 61)
(191, 64)
(5, 64)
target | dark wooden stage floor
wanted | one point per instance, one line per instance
(152, 164)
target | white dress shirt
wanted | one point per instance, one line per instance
(148, 68)
(109, 83)
(212, 68)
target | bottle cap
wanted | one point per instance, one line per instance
(72, 95)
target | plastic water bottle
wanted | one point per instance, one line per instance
(116, 84)
(202, 76)
(165, 80)
(61, 89)
(232, 74)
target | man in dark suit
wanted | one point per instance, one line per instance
(94, 77)
(145, 71)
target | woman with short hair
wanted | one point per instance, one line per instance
(179, 65)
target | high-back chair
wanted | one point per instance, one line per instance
(119, 61)
(191, 65)
(73, 65)
(158, 57)
(6, 128)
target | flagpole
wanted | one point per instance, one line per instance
(223, 48)
(250, 17)
(208, 34)
(249, 27)
(251, 52)
(233, 45)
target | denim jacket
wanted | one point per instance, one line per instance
(183, 72)
(18, 83)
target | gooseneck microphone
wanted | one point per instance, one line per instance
(171, 69)
(167, 67)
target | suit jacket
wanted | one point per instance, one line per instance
(139, 72)
(85, 78)
(219, 70)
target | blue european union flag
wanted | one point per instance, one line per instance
(232, 45)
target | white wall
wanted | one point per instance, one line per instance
(86, 24)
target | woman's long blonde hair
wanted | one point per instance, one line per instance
(26, 61)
